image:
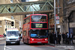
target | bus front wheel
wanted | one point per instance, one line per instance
(23, 41)
(27, 41)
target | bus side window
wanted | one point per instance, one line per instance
(24, 33)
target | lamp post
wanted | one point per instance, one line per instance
(5, 26)
(20, 24)
(55, 17)
(6, 23)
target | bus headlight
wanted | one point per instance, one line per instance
(32, 39)
(46, 39)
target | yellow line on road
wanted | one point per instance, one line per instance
(32, 46)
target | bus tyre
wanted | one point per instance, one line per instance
(27, 41)
(44, 44)
(23, 41)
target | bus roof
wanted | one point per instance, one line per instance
(35, 14)
(39, 14)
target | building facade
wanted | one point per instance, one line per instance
(69, 16)
(18, 19)
(5, 23)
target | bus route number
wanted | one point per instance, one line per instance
(38, 25)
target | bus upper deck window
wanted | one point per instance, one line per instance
(38, 18)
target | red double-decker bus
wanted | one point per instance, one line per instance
(35, 28)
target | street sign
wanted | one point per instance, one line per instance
(72, 25)
(57, 19)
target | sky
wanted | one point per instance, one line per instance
(31, 8)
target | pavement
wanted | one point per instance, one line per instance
(2, 38)
(35, 46)
(64, 46)
(32, 47)
(2, 43)
(1, 47)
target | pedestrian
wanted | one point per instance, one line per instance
(21, 35)
(63, 36)
(51, 37)
(4, 35)
(59, 38)
(67, 38)
(54, 38)
(71, 38)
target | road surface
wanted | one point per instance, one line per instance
(2, 44)
(33, 47)
(28, 47)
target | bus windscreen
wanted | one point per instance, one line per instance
(38, 34)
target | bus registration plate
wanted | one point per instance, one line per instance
(38, 42)
(12, 42)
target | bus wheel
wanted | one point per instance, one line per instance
(27, 41)
(43, 44)
(23, 41)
